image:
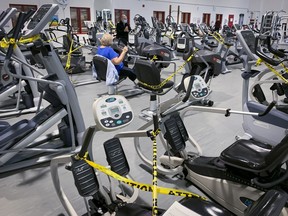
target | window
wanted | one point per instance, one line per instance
(119, 12)
(206, 18)
(185, 18)
(78, 16)
(160, 16)
(21, 8)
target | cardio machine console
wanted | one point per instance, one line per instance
(6, 16)
(181, 43)
(112, 112)
(39, 20)
(199, 89)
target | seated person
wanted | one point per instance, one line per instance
(106, 51)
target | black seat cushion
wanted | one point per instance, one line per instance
(255, 156)
(204, 207)
(246, 154)
(100, 63)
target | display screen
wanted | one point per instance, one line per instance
(181, 40)
(110, 100)
(114, 110)
(197, 86)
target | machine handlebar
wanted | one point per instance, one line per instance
(16, 32)
(264, 57)
(86, 140)
(189, 89)
(272, 50)
(269, 108)
(22, 18)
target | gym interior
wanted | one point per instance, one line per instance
(143, 107)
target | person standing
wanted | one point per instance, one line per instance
(123, 29)
(217, 25)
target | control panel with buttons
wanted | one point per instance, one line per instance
(112, 112)
(199, 89)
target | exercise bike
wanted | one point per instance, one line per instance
(273, 127)
(107, 202)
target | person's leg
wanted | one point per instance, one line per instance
(126, 71)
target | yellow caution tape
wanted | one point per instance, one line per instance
(4, 43)
(154, 173)
(143, 186)
(276, 72)
(272, 69)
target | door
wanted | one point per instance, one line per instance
(241, 19)
(78, 16)
(185, 17)
(206, 18)
(219, 17)
(230, 20)
(160, 16)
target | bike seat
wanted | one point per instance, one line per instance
(254, 156)
(204, 207)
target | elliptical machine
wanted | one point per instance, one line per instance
(23, 144)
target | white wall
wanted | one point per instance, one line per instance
(62, 12)
(195, 7)
(262, 6)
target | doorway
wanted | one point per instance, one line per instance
(230, 20)
(241, 19)
(206, 18)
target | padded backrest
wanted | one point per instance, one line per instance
(100, 63)
(247, 41)
(147, 72)
(279, 154)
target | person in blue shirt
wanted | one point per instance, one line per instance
(108, 52)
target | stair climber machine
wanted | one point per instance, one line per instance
(111, 113)
(150, 49)
(207, 37)
(235, 179)
(273, 127)
(17, 96)
(204, 63)
(25, 144)
(228, 52)
(70, 53)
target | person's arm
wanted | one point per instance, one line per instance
(118, 60)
